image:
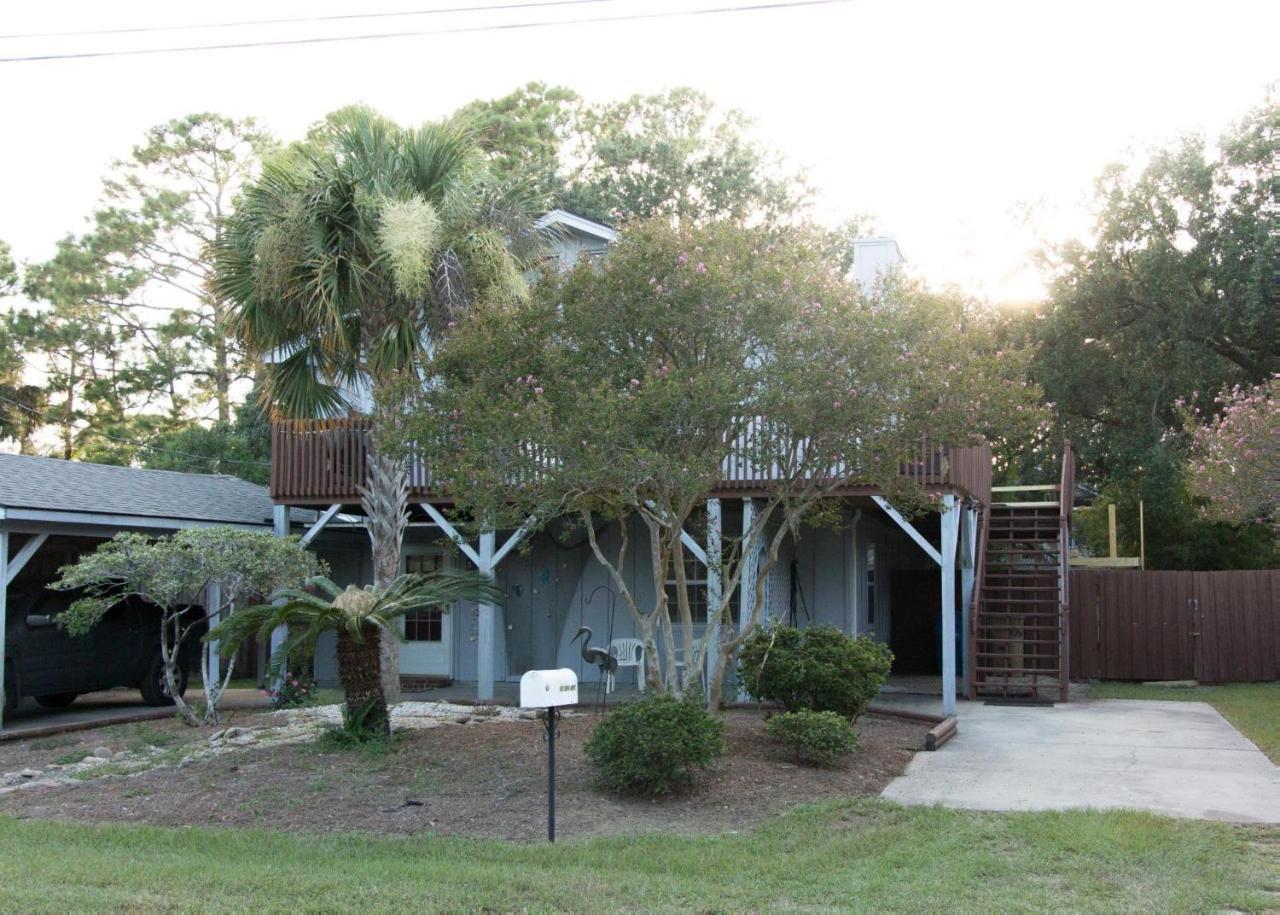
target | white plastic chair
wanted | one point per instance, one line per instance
(630, 653)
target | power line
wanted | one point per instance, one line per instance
(458, 30)
(334, 18)
(44, 418)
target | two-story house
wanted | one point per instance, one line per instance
(911, 584)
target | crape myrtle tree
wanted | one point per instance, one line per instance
(1175, 291)
(344, 258)
(1234, 465)
(195, 576)
(617, 391)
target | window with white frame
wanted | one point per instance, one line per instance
(696, 579)
(427, 624)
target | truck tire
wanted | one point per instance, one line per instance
(153, 687)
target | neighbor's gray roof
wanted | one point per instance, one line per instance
(51, 484)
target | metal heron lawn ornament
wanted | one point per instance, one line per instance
(600, 657)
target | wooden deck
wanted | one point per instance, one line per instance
(323, 462)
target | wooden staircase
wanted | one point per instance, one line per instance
(1019, 619)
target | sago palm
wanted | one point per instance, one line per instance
(361, 617)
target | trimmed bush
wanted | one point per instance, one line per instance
(655, 745)
(817, 738)
(820, 668)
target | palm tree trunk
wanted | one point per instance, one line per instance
(385, 500)
(360, 670)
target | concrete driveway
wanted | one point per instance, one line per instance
(1176, 758)
(113, 706)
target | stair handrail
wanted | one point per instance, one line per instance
(1066, 500)
(975, 601)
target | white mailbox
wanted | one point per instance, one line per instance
(548, 688)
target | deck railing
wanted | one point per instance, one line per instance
(1066, 501)
(324, 461)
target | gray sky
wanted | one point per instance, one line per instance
(970, 131)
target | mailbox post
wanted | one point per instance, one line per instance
(548, 690)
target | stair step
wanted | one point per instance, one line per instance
(1042, 655)
(1031, 610)
(1021, 628)
(1020, 588)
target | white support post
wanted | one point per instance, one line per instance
(747, 580)
(715, 583)
(452, 533)
(690, 542)
(486, 637)
(19, 562)
(857, 589)
(316, 528)
(4, 607)
(486, 562)
(950, 534)
(968, 571)
(514, 541)
(907, 527)
(9, 569)
(693, 546)
(281, 528)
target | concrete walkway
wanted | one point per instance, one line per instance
(1175, 758)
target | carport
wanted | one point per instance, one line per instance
(46, 501)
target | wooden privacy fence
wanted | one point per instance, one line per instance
(1215, 627)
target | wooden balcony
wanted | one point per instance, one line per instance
(323, 462)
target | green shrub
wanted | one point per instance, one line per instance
(819, 668)
(818, 738)
(655, 745)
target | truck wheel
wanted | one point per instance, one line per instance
(154, 690)
(57, 700)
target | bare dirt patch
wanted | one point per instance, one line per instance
(484, 778)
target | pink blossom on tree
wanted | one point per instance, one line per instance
(1235, 456)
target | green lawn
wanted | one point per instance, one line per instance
(865, 855)
(1254, 708)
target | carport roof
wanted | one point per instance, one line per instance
(74, 490)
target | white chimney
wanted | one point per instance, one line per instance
(873, 258)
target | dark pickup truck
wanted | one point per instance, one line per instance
(45, 662)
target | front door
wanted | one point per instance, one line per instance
(426, 651)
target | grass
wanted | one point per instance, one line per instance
(864, 854)
(1254, 708)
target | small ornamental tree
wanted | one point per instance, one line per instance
(194, 577)
(1235, 456)
(619, 390)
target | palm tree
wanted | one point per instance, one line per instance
(361, 617)
(344, 257)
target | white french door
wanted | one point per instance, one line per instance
(427, 649)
